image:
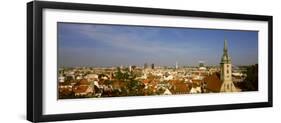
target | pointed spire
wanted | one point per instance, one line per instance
(225, 58)
(225, 52)
(225, 45)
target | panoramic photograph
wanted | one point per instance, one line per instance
(105, 60)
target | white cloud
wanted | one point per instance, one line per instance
(132, 40)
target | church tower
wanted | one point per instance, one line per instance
(226, 71)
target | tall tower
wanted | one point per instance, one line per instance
(226, 71)
(152, 66)
(145, 66)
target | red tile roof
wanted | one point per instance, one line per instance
(83, 82)
(146, 81)
(65, 91)
(179, 88)
(213, 82)
(80, 89)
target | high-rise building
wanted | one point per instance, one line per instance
(226, 71)
(130, 68)
(145, 66)
(152, 66)
(201, 64)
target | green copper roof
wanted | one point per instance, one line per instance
(225, 57)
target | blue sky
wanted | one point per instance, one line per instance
(115, 45)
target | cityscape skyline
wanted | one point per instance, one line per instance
(116, 45)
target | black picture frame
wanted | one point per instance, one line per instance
(35, 69)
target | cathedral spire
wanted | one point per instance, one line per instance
(225, 58)
(226, 71)
(225, 49)
(225, 45)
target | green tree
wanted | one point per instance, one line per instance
(251, 81)
(118, 74)
(132, 86)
